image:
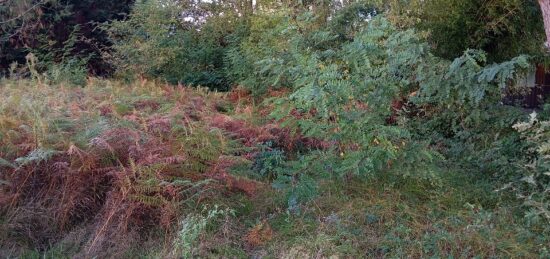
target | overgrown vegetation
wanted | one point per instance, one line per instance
(345, 129)
(62, 34)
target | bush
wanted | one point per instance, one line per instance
(502, 28)
(532, 184)
(156, 41)
(367, 97)
(46, 29)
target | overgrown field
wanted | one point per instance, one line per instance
(341, 129)
(154, 170)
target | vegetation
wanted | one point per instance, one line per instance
(278, 129)
(503, 28)
(62, 34)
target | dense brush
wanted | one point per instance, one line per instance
(108, 159)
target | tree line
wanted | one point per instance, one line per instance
(84, 34)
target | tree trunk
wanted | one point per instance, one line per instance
(545, 7)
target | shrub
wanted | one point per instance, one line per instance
(365, 96)
(502, 28)
(159, 41)
(533, 183)
(46, 28)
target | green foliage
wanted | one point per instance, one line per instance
(299, 179)
(344, 92)
(66, 65)
(156, 41)
(268, 161)
(469, 84)
(533, 184)
(143, 43)
(344, 95)
(47, 29)
(36, 156)
(251, 43)
(191, 227)
(503, 28)
(464, 96)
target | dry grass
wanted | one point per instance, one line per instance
(117, 159)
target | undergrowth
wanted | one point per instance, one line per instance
(107, 165)
(345, 138)
(151, 170)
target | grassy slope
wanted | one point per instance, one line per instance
(376, 218)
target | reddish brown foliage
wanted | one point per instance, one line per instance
(144, 104)
(248, 134)
(259, 234)
(239, 94)
(105, 110)
(252, 135)
(220, 172)
(120, 183)
(101, 184)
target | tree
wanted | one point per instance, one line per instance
(47, 27)
(545, 8)
(502, 28)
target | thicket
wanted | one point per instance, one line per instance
(61, 34)
(382, 101)
(158, 41)
(196, 36)
(377, 90)
(502, 28)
